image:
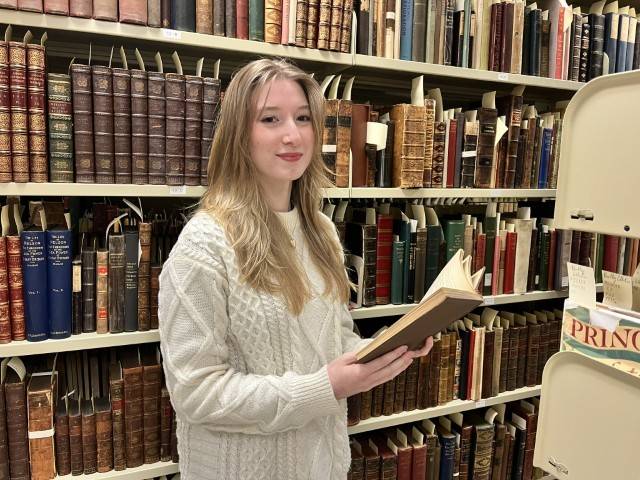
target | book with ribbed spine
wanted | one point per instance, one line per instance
(409, 145)
(60, 128)
(210, 109)
(144, 313)
(19, 113)
(116, 289)
(487, 118)
(154, 288)
(139, 127)
(193, 129)
(83, 123)
(122, 124)
(345, 31)
(61, 438)
(151, 387)
(102, 85)
(36, 103)
(204, 16)
(6, 169)
(175, 89)
(102, 290)
(133, 408)
(273, 20)
(5, 316)
(41, 403)
(15, 395)
(157, 127)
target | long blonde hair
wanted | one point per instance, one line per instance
(265, 256)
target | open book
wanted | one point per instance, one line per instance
(452, 295)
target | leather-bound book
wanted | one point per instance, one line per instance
(151, 386)
(139, 128)
(36, 102)
(61, 437)
(175, 457)
(514, 119)
(583, 67)
(378, 397)
(156, 109)
(41, 402)
(301, 22)
(132, 11)
(116, 282)
(273, 20)
(434, 375)
(88, 257)
(133, 407)
(193, 129)
(16, 299)
(81, 8)
(335, 25)
(523, 342)
(533, 345)
(383, 259)
(5, 316)
(543, 351)
(324, 24)
(343, 141)
(131, 280)
(12, 4)
(75, 436)
(487, 118)
(470, 145)
(19, 113)
(58, 7)
(487, 363)
(102, 290)
(165, 425)
(122, 124)
(144, 269)
(230, 18)
(30, 5)
(175, 89)
(411, 386)
(329, 136)
(89, 445)
(154, 288)
(353, 410)
(105, 10)
(5, 115)
(154, 13)
(116, 394)
(183, 15)
(366, 404)
(15, 396)
(83, 123)
(104, 434)
(409, 145)
(60, 128)
(596, 44)
(313, 12)
(204, 16)
(218, 17)
(438, 161)
(345, 31)
(210, 108)
(430, 113)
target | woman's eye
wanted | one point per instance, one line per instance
(304, 118)
(269, 119)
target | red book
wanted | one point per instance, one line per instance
(5, 317)
(610, 260)
(384, 244)
(242, 19)
(451, 152)
(59, 7)
(496, 265)
(510, 261)
(472, 340)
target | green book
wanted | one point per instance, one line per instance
(454, 237)
(397, 270)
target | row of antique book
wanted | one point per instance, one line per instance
(547, 38)
(477, 357)
(322, 24)
(84, 412)
(494, 443)
(502, 143)
(56, 282)
(105, 125)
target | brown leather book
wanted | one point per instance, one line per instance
(116, 393)
(533, 345)
(345, 31)
(89, 445)
(230, 18)
(36, 83)
(15, 395)
(165, 425)
(335, 31)
(122, 124)
(313, 13)
(102, 82)
(58, 7)
(504, 359)
(16, 299)
(273, 20)
(388, 397)
(438, 161)
(423, 381)
(5, 316)
(204, 16)
(487, 363)
(104, 434)
(133, 408)
(144, 312)
(301, 23)
(434, 374)
(151, 386)
(445, 348)
(366, 404)
(75, 436)
(430, 115)
(411, 386)
(470, 147)
(157, 112)
(210, 108)
(62, 448)
(83, 123)
(116, 282)
(356, 468)
(175, 89)
(506, 39)
(218, 17)
(353, 409)
(154, 13)
(19, 113)
(359, 119)
(41, 401)
(154, 288)
(324, 24)
(11, 4)
(514, 118)
(523, 342)
(139, 128)
(175, 457)
(105, 10)
(5, 116)
(81, 8)
(343, 141)
(377, 400)
(165, 11)
(30, 5)
(512, 366)
(329, 136)
(409, 145)
(193, 129)
(487, 118)
(88, 261)
(60, 128)
(400, 389)
(132, 11)
(102, 290)
(543, 351)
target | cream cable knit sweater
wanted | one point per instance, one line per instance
(247, 379)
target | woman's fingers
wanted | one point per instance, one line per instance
(391, 370)
(384, 360)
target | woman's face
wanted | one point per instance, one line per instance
(281, 137)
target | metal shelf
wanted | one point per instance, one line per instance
(139, 473)
(78, 342)
(451, 407)
(471, 193)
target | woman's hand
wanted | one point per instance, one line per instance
(348, 377)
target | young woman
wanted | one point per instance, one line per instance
(255, 333)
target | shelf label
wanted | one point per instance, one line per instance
(503, 76)
(172, 34)
(489, 300)
(178, 190)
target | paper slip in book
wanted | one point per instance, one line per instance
(452, 295)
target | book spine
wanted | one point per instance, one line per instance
(193, 130)
(16, 298)
(183, 15)
(116, 388)
(62, 447)
(583, 69)
(102, 291)
(60, 128)
(211, 100)
(242, 19)
(273, 20)
(345, 32)
(76, 296)
(165, 13)
(165, 425)
(343, 141)
(487, 118)
(513, 138)
(59, 282)
(133, 416)
(122, 124)
(102, 83)
(336, 24)
(139, 128)
(154, 289)
(83, 123)
(38, 161)
(430, 114)
(5, 317)
(132, 11)
(144, 312)
(175, 123)
(40, 404)
(131, 281)
(204, 16)
(116, 290)
(89, 445)
(81, 8)
(256, 21)
(6, 170)
(219, 17)
(30, 5)
(17, 430)
(34, 268)
(88, 258)
(324, 24)
(151, 385)
(230, 15)
(157, 128)
(105, 10)
(154, 16)
(104, 439)
(19, 114)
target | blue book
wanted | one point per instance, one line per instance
(623, 36)
(545, 153)
(34, 278)
(59, 265)
(406, 29)
(611, 26)
(447, 453)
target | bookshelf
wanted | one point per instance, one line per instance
(451, 407)
(519, 193)
(138, 473)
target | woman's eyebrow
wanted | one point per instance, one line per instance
(271, 108)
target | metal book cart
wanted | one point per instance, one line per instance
(589, 419)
